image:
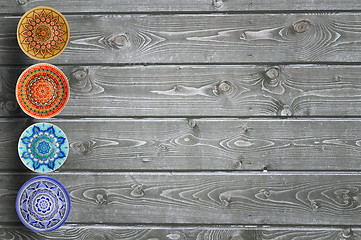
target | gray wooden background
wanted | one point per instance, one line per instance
(198, 119)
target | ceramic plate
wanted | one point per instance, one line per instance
(43, 204)
(43, 147)
(43, 33)
(42, 90)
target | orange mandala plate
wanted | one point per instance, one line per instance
(42, 91)
(43, 33)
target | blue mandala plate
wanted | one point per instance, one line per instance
(43, 204)
(43, 147)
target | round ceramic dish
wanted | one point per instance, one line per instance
(43, 33)
(43, 147)
(42, 90)
(43, 204)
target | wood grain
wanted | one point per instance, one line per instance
(99, 232)
(201, 38)
(249, 90)
(198, 198)
(94, 6)
(198, 144)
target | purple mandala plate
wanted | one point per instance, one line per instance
(43, 204)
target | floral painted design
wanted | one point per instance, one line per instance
(43, 33)
(43, 147)
(43, 204)
(42, 91)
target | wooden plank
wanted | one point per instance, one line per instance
(249, 90)
(197, 198)
(85, 6)
(198, 144)
(204, 38)
(98, 232)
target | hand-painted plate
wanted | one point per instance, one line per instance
(42, 90)
(43, 33)
(43, 147)
(43, 204)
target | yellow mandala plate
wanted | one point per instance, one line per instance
(43, 33)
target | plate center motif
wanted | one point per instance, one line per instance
(42, 91)
(42, 34)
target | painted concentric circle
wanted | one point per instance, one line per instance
(42, 90)
(43, 147)
(43, 204)
(43, 33)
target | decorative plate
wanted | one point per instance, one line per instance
(43, 147)
(43, 33)
(43, 204)
(42, 90)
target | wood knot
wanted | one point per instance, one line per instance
(137, 191)
(357, 198)
(225, 202)
(217, 3)
(117, 41)
(11, 106)
(22, 2)
(192, 123)
(265, 192)
(345, 197)
(80, 147)
(238, 164)
(301, 26)
(163, 148)
(101, 199)
(315, 206)
(346, 233)
(121, 40)
(246, 130)
(80, 74)
(272, 73)
(225, 86)
(286, 111)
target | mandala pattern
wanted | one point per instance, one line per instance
(43, 204)
(43, 33)
(42, 90)
(43, 147)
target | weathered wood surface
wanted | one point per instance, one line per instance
(198, 144)
(98, 232)
(136, 6)
(198, 198)
(250, 90)
(204, 38)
